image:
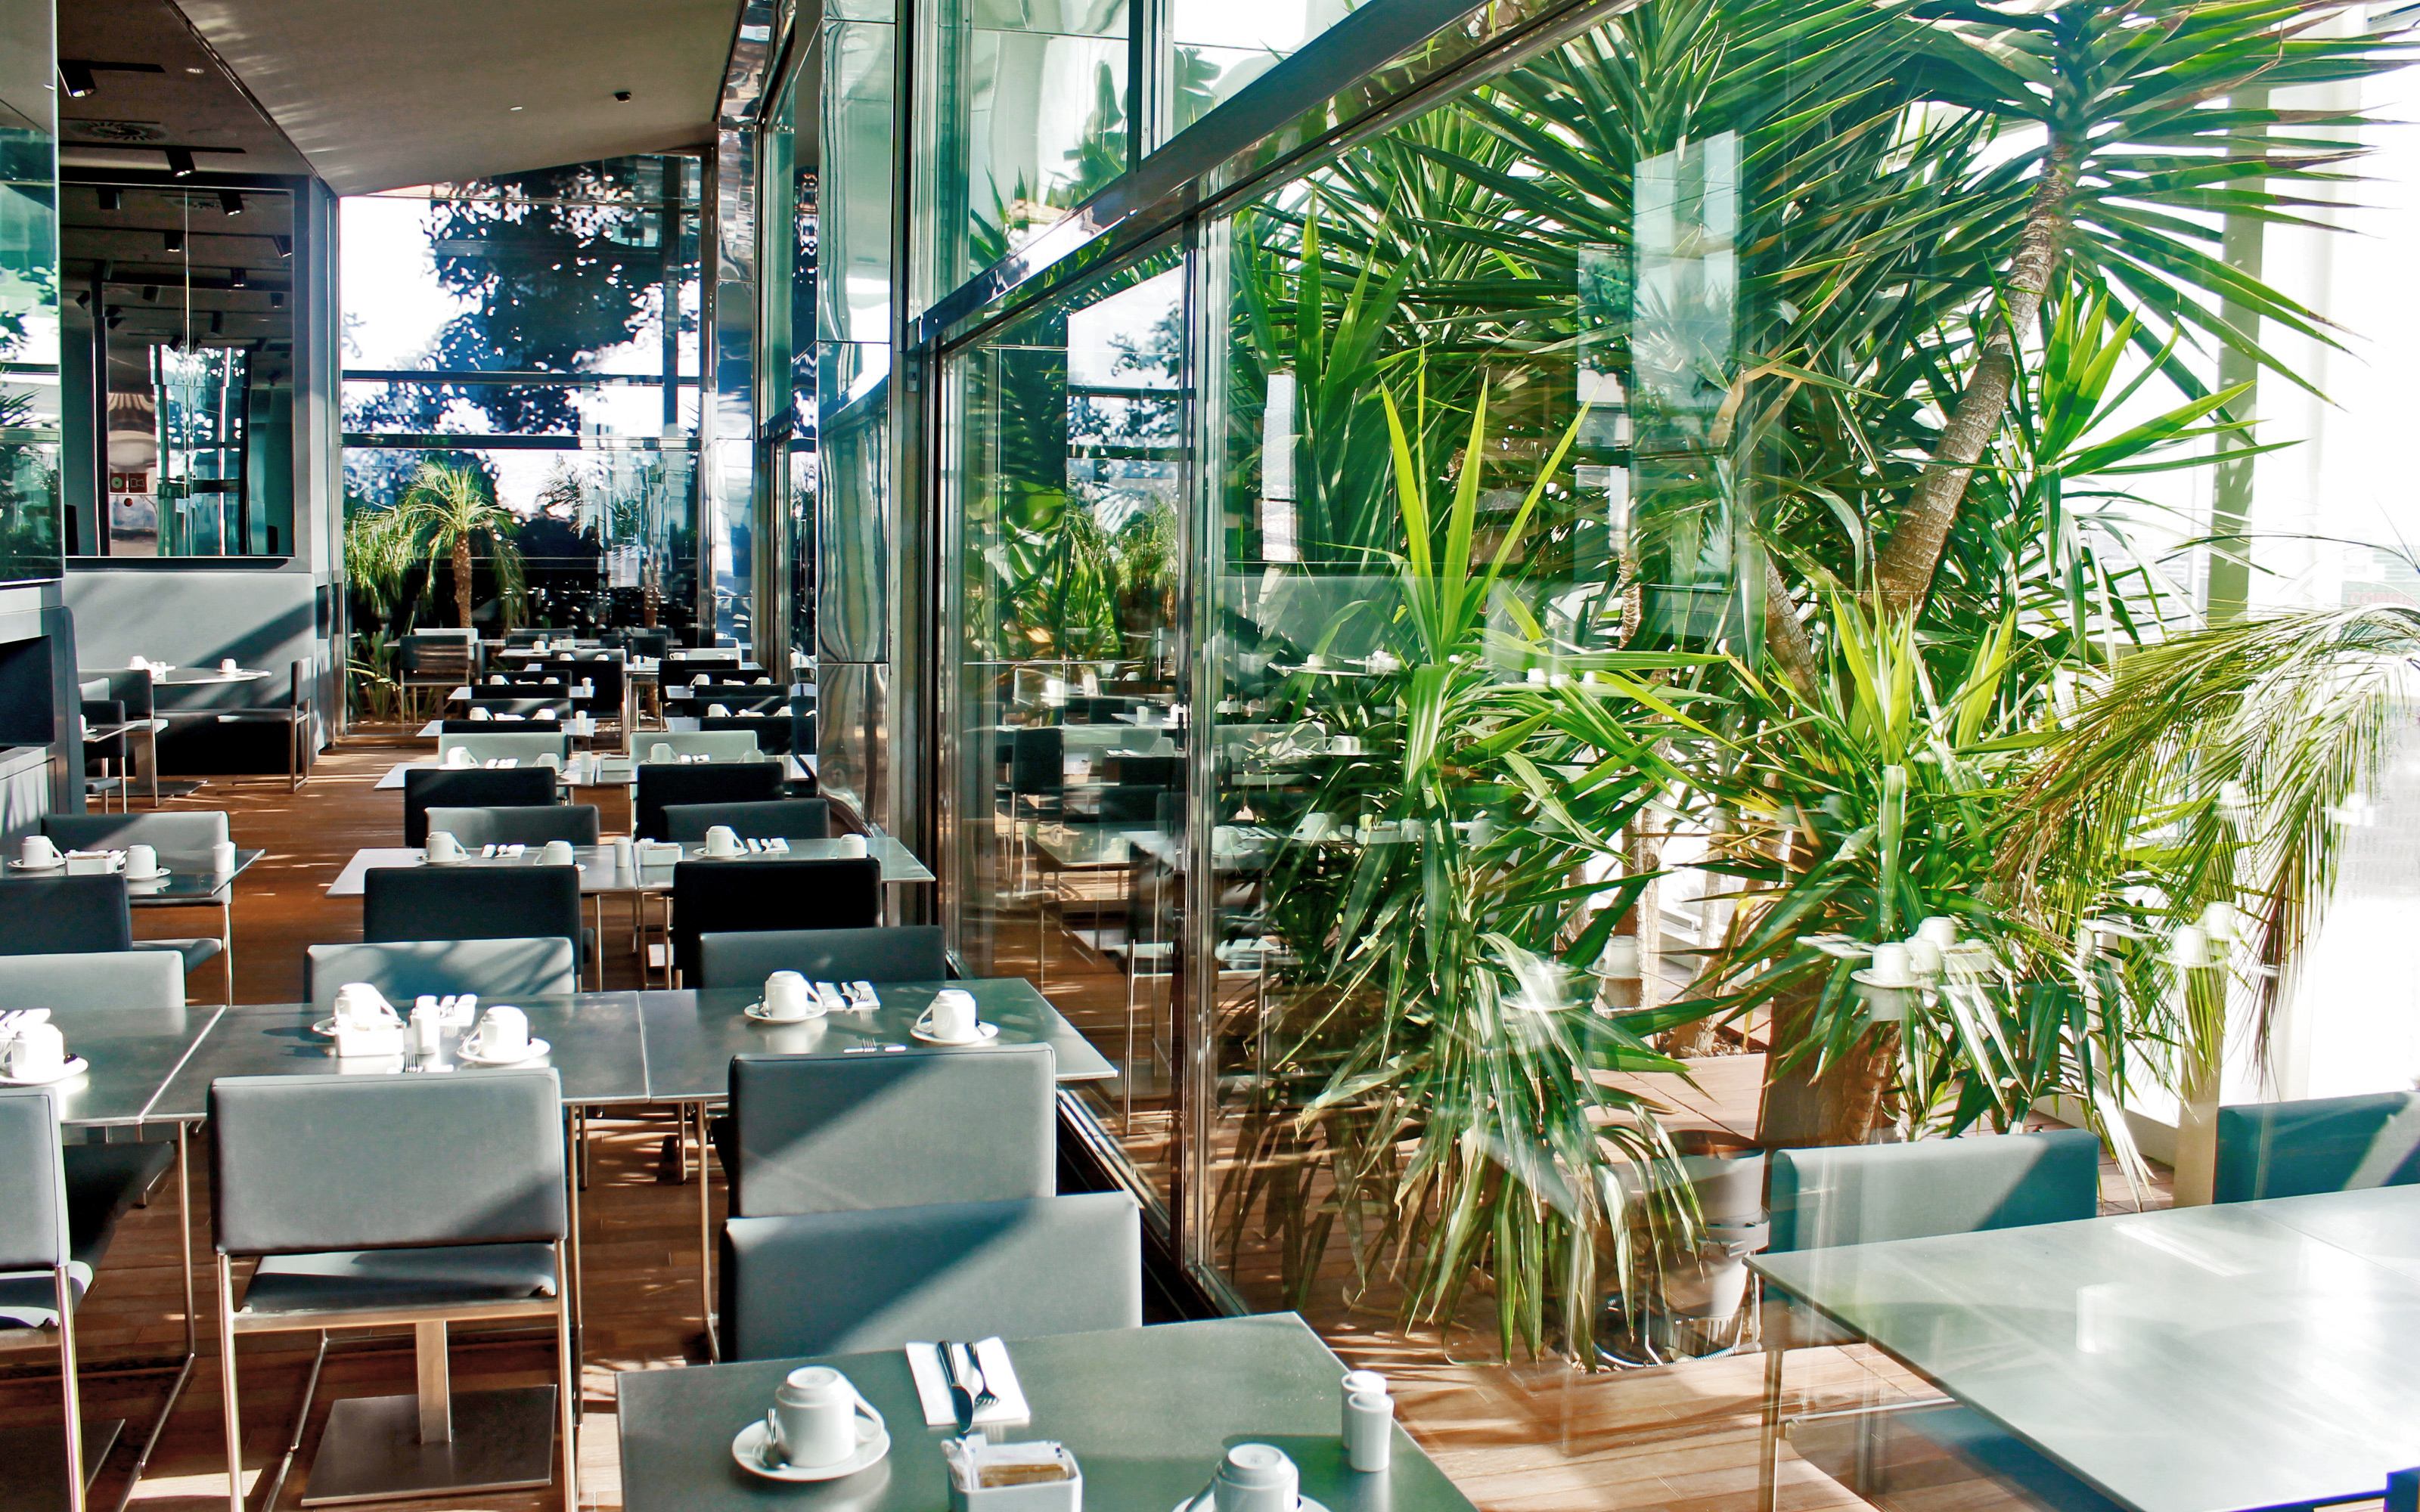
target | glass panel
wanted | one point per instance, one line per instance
(29, 307)
(1065, 698)
(1218, 47)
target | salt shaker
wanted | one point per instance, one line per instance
(223, 857)
(1362, 1383)
(428, 1028)
(626, 853)
(1369, 1429)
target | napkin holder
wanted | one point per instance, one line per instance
(385, 1039)
(94, 863)
(616, 769)
(1011, 1490)
(658, 852)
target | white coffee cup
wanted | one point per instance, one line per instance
(459, 756)
(786, 997)
(659, 753)
(361, 1006)
(813, 1418)
(443, 846)
(38, 1051)
(853, 848)
(227, 666)
(37, 850)
(1892, 966)
(222, 858)
(557, 853)
(722, 839)
(950, 1017)
(142, 863)
(717, 711)
(1256, 1478)
(550, 761)
(504, 1034)
(482, 714)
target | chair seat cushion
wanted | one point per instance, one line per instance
(195, 952)
(345, 1280)
(103, 1181)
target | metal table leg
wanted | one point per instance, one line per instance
(705, 1238)
(1768, 1459)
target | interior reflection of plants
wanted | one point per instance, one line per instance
(1791, 374)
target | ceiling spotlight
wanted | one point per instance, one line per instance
(622, 94)
(230, 203)
(150, 293)
(284, 245)
(114, 319)
(78, 79)
(521, 107)
(84, 298)
(218, 323)
(108, 197)
(180, 163)
(276, 301)
(192, 70)
(237, 278)
(173, 241)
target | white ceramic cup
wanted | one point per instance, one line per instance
(227, 666)
(722, 839)
(1892, 966)
(458, 756)
(550, 761)
(951, 1016)
(482, 714)
(142, 863)
(1256, 1478)
(659, 753)
(38, 1050)
(853, 848)
(557, 853)
(813, 1418)
(504, 1034)
(1940, 930)
(37, 850)
(443, 846)
(626, 853)
(787, 997)
(361, 1006)
(222, 858)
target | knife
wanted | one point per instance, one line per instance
(962, 1401)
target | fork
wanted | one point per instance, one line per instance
(984, 1396)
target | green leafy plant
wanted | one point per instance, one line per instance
(447, 510)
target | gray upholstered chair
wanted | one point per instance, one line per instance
(524, 748)
(1865, 1193)
(2324, 1144)
(305, 1177)
(183, 838)
(715, 746)
(837, 1283)
(93, 979)
(537, 966)
(914, 952)
(779, 819)
(819, 1133)
(529, 825)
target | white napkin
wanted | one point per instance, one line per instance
(933, 1388)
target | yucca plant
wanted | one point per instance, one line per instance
(448, 509)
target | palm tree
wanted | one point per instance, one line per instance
(452, 507)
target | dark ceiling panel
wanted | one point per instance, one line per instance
(155, 86)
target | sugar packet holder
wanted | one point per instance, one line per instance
(1040, 1476)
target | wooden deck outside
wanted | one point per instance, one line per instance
(1517, 1438)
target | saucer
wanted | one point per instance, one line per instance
(982, 1032)
(74, 1066)
(756, 1010)
(51, 866)
(326, 1028)
(536, 1047)
(1203, 1499)
(1864, 977)
(873, 1442)
(161, 875)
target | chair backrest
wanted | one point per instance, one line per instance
(840, 1282)
(433, 657)
(914, 952)
(526, 708)
(735, 897)
(93, 979)
(470, 902)
(1151, 771)
(1039, 763)
(779, 819)
(821, 1134)
(528, 967)
(303, 1164)
(180, 836)
(33, 1181)
(65, 916)
(301, 677)
(524, 746)
(428, 787)
(1124, 805)
(775, 734)
(716, 745)
(1864, 1193)
(649, 643)
(524, 824)
(2327, 1144)
(663, 785)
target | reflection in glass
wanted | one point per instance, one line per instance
(29, 345)
(1216, 47)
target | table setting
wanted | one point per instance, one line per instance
(440, 1034)
(33, 1051)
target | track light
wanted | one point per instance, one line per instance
(173, 241)
(284, 245)
(150, 293)
(230, 203)
(78, 79)
(108, 197)
(276, 301)
(114, 321)
(238, 278)
(218, 323)
(180, 162)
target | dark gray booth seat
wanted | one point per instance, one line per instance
(470, 902)
(839, 1283)
(93, 979)
(528, 967)
(2325, 1144)
(774, 819)
(428, 787)
(532, 824)
(914, 952)
(663, 785)
(1865, 1194)
(182, 838)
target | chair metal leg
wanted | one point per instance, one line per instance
(1768, 1459)
(434, 1379)
(65, 1291)
(569, 1403)
(226, 942)
(231, 1417)
(705, 1238)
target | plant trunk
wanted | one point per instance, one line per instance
(1785, 635)
(462, 581)
(1861, 1077)
(1904, 575)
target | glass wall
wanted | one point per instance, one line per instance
(538, 334)
(29, 303)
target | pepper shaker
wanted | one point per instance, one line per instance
(1369, 1429)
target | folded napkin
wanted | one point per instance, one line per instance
(933, 1387)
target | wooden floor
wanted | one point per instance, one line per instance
(1525, 1437)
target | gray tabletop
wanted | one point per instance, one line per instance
(599, 874)
(691, 1035)
(176, 888)
(1147, 1412)
(132, 1051)
(597, 1051)
(2249, 1354)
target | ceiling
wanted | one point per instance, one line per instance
(377, 96)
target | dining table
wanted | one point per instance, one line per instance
(181, 883)
(1147, 1413)
(2222, 1358)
